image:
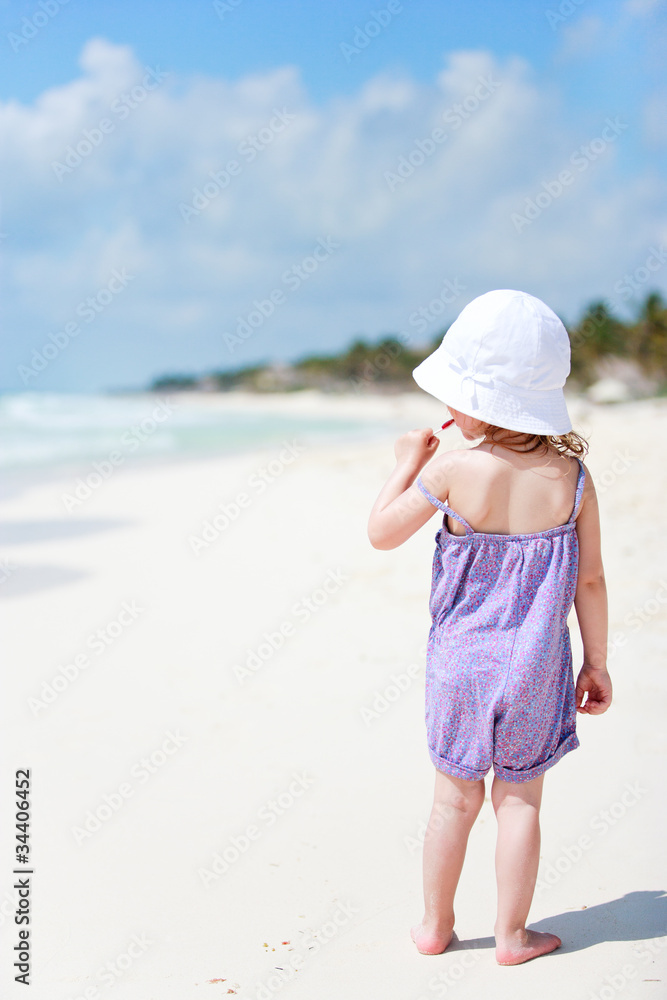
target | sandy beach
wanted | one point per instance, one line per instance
(217, 685)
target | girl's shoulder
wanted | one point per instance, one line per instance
(447, 463)
(439, 475)
(461, 461)
(589, 492)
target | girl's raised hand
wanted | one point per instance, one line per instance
(596, 682)
(416, 447)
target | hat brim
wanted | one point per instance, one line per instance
(540, 411)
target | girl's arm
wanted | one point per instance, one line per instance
(590, 603)
(401, 508)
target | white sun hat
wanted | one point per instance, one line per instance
(504, 361)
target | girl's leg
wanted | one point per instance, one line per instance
(517, 808)
(456, 804)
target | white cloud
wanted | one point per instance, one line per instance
(581, 38)
(640, 8)
(317, 171)
(655, 118)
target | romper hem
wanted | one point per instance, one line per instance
(455, 770)
(507, 774)
(504, 773)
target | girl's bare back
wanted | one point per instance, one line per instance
(502, 491)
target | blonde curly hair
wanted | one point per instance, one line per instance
(565, 444)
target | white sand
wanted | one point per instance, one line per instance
(328, 861)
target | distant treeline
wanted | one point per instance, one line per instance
(387, 364)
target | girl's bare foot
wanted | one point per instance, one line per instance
(523, 946)
(430, 942)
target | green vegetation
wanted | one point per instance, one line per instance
(597, 339)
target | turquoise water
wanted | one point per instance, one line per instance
(45, 431)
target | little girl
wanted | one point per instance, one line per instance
(519, 544)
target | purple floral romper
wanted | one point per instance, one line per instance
(499, 684)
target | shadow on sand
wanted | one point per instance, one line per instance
(637, 916)
(26, 532)
(18, 580)
(29, 579)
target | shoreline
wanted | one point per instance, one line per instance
(375, 419)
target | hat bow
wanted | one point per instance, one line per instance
(470, 382)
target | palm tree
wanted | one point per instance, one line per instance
(648, 336)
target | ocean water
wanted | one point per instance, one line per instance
(51, 431)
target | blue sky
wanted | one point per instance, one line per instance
(258, 35)
(315, 238)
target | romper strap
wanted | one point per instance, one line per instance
(581, 480)
(443, 506)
